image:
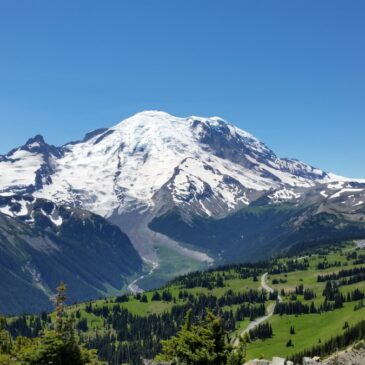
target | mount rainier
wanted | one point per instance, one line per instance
(199, 186)
(122, 168)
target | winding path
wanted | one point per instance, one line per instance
(270, 310)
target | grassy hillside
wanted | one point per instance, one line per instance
(310, 329)
(125, 328)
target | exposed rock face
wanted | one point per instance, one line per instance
(275, 361)
(352, 356)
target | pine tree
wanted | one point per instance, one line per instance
(60, 302)
(58, 346)
(289, 343)
(205, 343)
(5, 339)
(237, 356)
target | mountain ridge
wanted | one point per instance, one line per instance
(42, 243)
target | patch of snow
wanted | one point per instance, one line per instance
(56, 221)
(19, 169)
(5, 194)
(346, 190)
(338, 178)
(206, 211)
(6, 210)
(336, 185)
(23, 208)
(283, 194)
(34, 144)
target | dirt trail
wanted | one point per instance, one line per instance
(270, 310)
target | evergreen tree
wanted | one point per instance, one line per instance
(204, 343)
(289, 343)
(60, 301)
(237, 356)
(5, 339)
(58, 346)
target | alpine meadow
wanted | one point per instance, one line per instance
(184, 232)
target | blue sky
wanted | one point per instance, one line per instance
(290, 72)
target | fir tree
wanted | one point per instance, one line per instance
(58, 346)
(205, 343)
(289, 343)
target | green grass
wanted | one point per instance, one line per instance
(312, 327)
(309, 329)
(309, 277)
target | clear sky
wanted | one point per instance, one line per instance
(290, 72)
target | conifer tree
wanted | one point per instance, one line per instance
(60, 302)
(5, 339)
(205, 343)
(59, 346)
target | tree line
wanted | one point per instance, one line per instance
(341, 274)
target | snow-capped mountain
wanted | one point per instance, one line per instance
(122, 168)
(153, 163)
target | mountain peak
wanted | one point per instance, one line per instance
(38, 145)
(152, 113)
(162, 119)
(160, 114)
(37, 139)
